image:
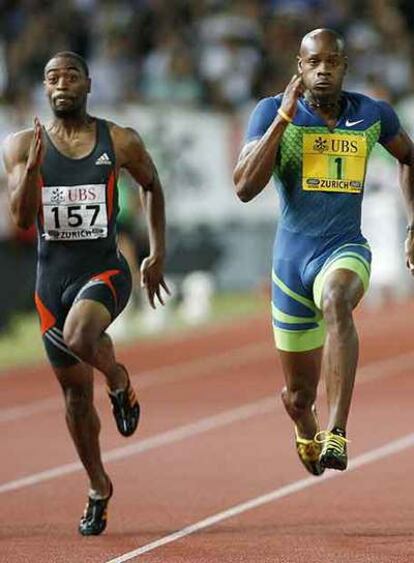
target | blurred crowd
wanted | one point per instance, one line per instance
(199, 54)
(203, 53)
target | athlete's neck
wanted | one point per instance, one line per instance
(329, 105)
(70, 125)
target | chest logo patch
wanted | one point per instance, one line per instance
(334, 162)
(349, 123)
(103, 159)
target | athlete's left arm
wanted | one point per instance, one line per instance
(132, 155)
(402, 148)
(398, 143)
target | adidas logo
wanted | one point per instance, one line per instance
(103, 159)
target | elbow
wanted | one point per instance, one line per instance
(244, 195)
(243, 190)
(24, 225)
(22, 221)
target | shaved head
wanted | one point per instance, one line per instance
(322, 63)
(328, 37)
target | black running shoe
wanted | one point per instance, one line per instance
(94, 519)
(125, 408)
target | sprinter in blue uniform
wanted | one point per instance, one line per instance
(316, 139)
(64, 177)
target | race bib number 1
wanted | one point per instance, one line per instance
(74, 212)
(334, 162)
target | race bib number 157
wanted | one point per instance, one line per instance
(75, 212)
(334, 162)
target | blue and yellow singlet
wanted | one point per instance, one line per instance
(320, 177)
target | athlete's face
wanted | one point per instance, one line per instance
(67, 86)
(322, 64)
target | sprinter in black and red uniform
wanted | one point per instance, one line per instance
(64, 177)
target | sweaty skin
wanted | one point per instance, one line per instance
(74, 135)
(73, 132)
(321, 67)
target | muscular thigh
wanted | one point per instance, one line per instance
(105, 294)
(111, 288)
(303, 267)
(297, 323)
(348, 267)
(52, 314)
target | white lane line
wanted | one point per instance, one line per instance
(168, 374)
(388, 449)
(183, 370)
(373, 371)
(195, 368)
(263, 406)
(185, 337)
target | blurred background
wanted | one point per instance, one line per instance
(186, 74)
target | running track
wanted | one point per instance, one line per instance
(212, 475)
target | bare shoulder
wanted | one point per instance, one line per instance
(128, 145)
(123, 135)
(16, 145)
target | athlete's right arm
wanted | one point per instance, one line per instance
(257, 159)
(22, 156)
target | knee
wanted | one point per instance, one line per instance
(337, 307)
(78, 400)
(79, 341)
(298, 401)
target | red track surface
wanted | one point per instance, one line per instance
(209, 455)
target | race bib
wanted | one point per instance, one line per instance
(334, 162)
(74, 212)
